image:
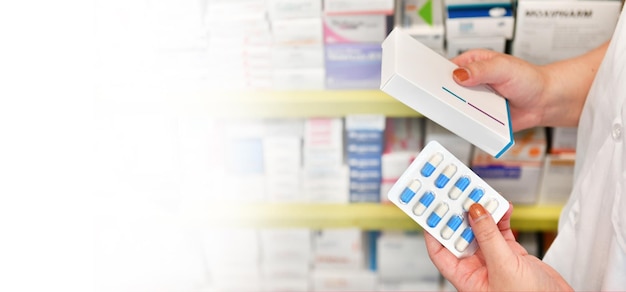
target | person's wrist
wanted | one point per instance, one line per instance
(550, 99)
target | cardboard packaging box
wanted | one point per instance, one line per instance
(479, 18)
(299, 31)
(551, 30)
(342, 280)
(558, 179)
(282, 157)
(328, 184)
(339, 249)
(353, 66)
(364, 142)
(423, 20)
(297, 57)
(286, 9)
(517, 174)
(459, 147)
(404, 134)
(323, 142)
(404, 138)
(357, 28)
(231, 254)
(422, 79)
(457, 46)
(394, 264)
(564, 140)
(325, 176)
(393, 165)
(298, 79)
(359, 7)
(282, 284)
(285, 253)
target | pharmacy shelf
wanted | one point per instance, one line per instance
(368, 216)
(284, 104)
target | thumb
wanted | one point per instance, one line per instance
(491, 71)
(488, 237)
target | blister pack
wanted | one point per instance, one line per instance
(436, 191)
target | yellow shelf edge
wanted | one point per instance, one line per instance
(303, 103)
(370, 216)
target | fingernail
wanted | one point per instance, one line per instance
(460, 74)
(477, 211)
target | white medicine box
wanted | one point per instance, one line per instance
(558, 179)
(355, 28)
(479, 18)
(457, 46)
(359, 7)
(422, 79)
(423, 20)
(284, 9)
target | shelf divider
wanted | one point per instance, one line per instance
(368, 216)
(303, 103)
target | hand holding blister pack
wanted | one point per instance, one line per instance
(437, 190)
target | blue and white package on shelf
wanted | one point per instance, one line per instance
(364, 143)
(422, 79)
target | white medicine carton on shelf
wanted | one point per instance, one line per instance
(422, 79)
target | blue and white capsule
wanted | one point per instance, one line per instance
(409, 191)
(466, 238)
(453, 224)
(437, 214)
(474, 197)
(432, 164)
(423, 203)
(459, 187)
(444, 177)
(491, 206)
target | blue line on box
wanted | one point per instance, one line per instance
(473, 106)
(454, 94)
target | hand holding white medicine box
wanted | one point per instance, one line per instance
(437, 190)
(422, 79)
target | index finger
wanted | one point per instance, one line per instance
(488, 236)
(504, 225)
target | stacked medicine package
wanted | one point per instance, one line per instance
(240, 44)
(364, 148)
(297, 44)
(472, 24)
(325, 176)
(353, 32)
(301, 259)
(335, 44)
(298, 48)
(285, 259)
(232, 255)
(517, 173)
(338, 259)
(282, 159)
(558, 170)
(402, 142)
(358, 158)
(403, 263)
(549, 31)
(241, 159)
(424, 20)
(342, 260)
